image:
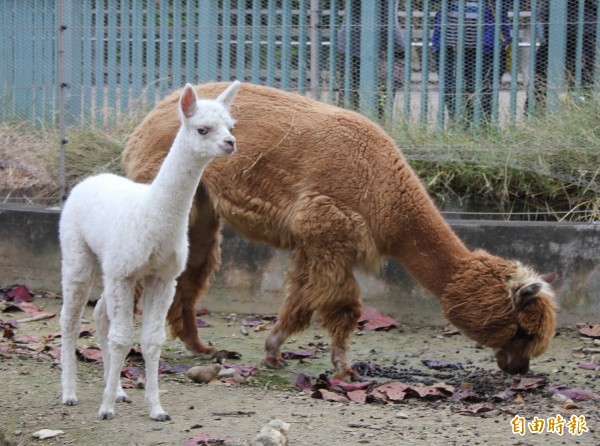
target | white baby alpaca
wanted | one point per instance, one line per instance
(137, 233)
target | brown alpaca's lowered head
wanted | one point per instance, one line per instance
(503, 305)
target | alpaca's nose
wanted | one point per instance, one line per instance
(230, 145)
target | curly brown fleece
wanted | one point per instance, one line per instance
(332, 186)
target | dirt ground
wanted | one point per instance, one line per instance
(234, 414)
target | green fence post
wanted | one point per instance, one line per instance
(370, 16)
(557, 40)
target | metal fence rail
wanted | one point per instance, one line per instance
(91, 60)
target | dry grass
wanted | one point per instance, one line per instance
(546, 168)
(29, 159)
(26, 158)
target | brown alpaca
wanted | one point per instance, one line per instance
(332, 186)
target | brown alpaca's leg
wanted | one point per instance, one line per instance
(295, 314)
(203, 259)
(327, 288)
(340, 318)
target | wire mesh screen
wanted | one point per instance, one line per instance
(433, 63)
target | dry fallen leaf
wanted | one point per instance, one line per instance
(589, 329)
(203, 438)
(288, 354)
(575, 393)
(477, 408)
(373, 319)
(330, 396)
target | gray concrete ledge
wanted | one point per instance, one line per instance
(251, 276)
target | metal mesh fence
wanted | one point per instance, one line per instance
(436, 63)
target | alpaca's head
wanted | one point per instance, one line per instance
(206, 124)
(503, 305)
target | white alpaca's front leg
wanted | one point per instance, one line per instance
(102, 327)
(75, 283)
(158, 296)
(119, 301)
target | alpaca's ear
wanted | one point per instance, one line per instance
(188, 100)
(549, 277)
(226, 98)
(527, 292)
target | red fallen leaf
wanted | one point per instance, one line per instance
(441, 364)
(505, 395)
(465, 394)
(358, 396)
(202, 311)
(19, 294)
(373, 319)
(202, 323)
(477, 408)
(299, 354)
(28, 339)
(128, 384)
(329, 396)
(242, 370)
(450, 330)
(576, 394)
(132, 373)
(34, 310)
(52, 350)
(349, 387)
(11, 323)
(91, 354)
(392, 391)
(206, 439)
(529, 383)
(303, 382)
(446, 389)
(427, 391)
(590, 366)
(589, 329)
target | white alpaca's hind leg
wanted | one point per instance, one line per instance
(158, 296)
(102, 327)
(77, 273)
(118, 295)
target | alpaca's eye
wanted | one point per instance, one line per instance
(203, 130)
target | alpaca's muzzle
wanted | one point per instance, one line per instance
(512, 363)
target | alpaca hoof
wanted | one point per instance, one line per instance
(106, 414)
(347, 372)
(70, 401)
(198, 348)
(275, 363)
(163, 416)
(123, 399)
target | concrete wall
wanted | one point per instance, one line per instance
(251, 277)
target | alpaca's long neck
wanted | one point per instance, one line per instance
(173, 189)
(420, 238)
